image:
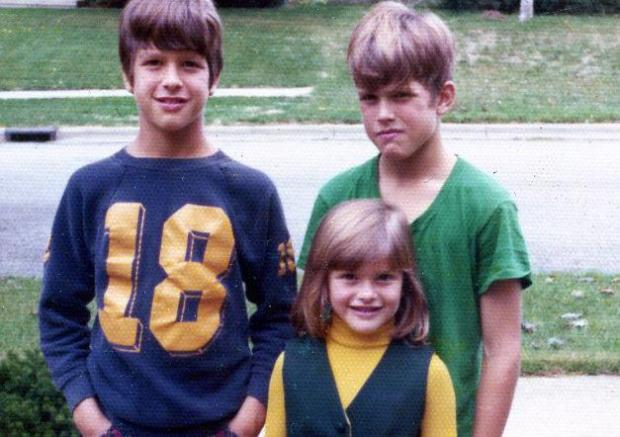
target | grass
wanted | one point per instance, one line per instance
(592, 350)
(505, 71)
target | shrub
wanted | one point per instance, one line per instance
(29, 404)
(540, 6)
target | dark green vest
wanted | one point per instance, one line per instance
(390, 403)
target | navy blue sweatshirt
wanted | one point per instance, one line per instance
(169, 249)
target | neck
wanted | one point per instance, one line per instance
(340, 332)
(431, 161)
(184, 143)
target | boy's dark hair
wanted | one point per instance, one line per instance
(354, 233)
(171, 25)
(394, 44)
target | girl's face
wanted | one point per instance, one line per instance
(367, 298)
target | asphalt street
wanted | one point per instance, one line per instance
(564, 179)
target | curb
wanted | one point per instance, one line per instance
(450, 131)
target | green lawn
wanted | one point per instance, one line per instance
(551, 69)
(593, 349)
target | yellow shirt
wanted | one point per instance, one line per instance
(352, 358)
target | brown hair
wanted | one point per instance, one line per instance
(350, 235)
(394, 44)
(171, 25)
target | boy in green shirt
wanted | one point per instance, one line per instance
(471, 255)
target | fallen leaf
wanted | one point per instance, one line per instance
(608, 291)
(579, 324)
(555, 342)
(528, 327)
(577, 294)
(571, 316)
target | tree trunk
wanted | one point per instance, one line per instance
(526, 10)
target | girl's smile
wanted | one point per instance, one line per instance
(366, 298)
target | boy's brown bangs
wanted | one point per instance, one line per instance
(170, 31)
(374, 67)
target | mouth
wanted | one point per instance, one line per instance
(388, 134)
(366, 310)
(171, 104)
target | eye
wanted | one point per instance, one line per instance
(193, 64)
(367, 98)
(346, 276)
(402, 95)
(151, 62)
(387, 277)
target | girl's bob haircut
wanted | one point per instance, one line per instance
(192, 25)
(354, 233)
(393, 44)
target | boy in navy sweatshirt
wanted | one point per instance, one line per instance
(168, 236)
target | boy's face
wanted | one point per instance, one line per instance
(170, 88)
(401, 119)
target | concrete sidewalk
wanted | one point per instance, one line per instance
(568, 406)
(60, 4)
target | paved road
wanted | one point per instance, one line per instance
(564, 178)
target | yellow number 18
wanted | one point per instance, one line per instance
(188, 279)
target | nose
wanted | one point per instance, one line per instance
(365, 291)
(171, 78)
(384, 110)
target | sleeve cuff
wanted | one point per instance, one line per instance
(258, 388)
(77, 390)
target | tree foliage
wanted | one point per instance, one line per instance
(540, 6)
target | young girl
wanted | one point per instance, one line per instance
(360, 366)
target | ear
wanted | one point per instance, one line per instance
(214, 85)
(446, 98)
(128, 82)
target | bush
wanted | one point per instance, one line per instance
(219, 3)
(540, 6)
(249, 3)
(103, 3)
(29, 404)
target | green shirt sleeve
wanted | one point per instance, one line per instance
(500, 249)
(321, 207)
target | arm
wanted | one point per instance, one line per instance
(250, 418)
(440, 404)
(276, 413)
(68, 287)
(89, 419)
(500, 314)
(271, 285)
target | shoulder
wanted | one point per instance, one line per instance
(479, 184)
(244, 178)
(345, 184)
(305, 347)
(96, 177)
(475, 194)
(437, 369)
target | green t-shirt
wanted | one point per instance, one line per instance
(468, 238)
